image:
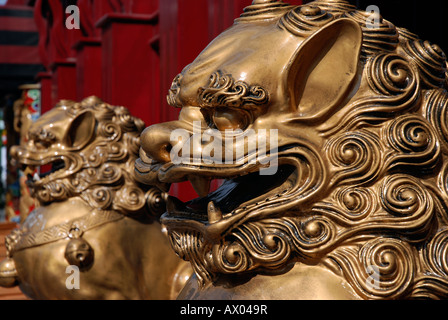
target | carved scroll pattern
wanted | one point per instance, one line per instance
(304, 21)
(381, 268)
(436, 111)
(222, 90)
(377, 39)
(396, 83)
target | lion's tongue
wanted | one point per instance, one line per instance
(234, 192)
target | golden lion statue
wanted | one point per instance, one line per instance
(95, 234)
(351, 113)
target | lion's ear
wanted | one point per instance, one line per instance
(323, 70)
(81, 130)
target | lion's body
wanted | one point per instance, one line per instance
(132, 260)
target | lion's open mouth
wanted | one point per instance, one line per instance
(43, 167)
(238, 193)
(42, 172)
(244, 195)
(39, 172)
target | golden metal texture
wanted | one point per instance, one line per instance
(92, 214)
(357, 208)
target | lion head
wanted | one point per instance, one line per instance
(91, 148)
(352, 112)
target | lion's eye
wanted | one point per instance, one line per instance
(230, 119)
(43, 139)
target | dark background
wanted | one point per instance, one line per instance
(426, 18)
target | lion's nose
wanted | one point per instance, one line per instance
(155, 141)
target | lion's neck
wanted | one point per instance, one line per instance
(55, 213)
(300, 283)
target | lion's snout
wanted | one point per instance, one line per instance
(155, 142)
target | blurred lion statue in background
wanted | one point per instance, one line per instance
(92, 214)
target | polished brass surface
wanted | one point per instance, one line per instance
(92, 214)
(357, 207)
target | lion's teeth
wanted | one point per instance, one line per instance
(36, 177)
(201, 185)
(214, 213)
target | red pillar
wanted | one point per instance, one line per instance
(184, 34)
(45, 80)
(88, 68)
(223, 13)
(56, 48)
(130, 63)
(64, 80)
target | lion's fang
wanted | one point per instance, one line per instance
(214, 213)
(201, 185)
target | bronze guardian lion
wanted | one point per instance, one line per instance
(357, 208)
